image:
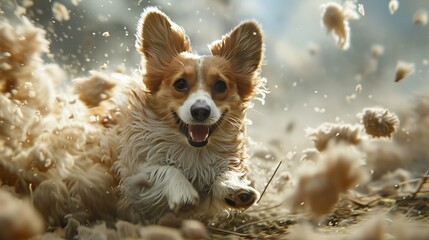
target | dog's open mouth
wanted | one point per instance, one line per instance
(197, 134)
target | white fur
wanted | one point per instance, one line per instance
(200, 60)
(200, 95)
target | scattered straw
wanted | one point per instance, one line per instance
(420, 186)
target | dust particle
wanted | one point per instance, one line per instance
(361, 9)
(5, 66)
(105, 34)
(27, 3)
(76, 2)
(377, 50)
(19, 11)
(358, 88)
(103, 67)
(313, 48)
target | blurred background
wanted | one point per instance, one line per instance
(310, 79)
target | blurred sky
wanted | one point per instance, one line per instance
(306, 89)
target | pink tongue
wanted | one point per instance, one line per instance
(198, 133)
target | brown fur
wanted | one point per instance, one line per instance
(156, 132)
(156, 33)
(242, 47)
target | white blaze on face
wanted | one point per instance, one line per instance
(199, 130)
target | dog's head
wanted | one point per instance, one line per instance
(198, 94)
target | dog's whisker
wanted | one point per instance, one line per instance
(233, 121)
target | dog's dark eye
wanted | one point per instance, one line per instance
(219, 86)
(181, 85)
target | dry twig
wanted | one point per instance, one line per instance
(419, 187)
(269, 181)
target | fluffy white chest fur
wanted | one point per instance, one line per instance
(160, 171)
(147, 141)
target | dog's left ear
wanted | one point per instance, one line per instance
(243, 47)
(159, 40)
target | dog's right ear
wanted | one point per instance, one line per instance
(243, 47)
(159, 40)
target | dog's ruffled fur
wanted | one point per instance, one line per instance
(73, 158)
(158, 168)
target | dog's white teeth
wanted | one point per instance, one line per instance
(198, 133)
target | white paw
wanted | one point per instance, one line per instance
(182, 199)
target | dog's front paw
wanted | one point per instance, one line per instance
(183, 199)
(242, 198)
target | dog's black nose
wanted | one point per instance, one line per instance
(200, 111)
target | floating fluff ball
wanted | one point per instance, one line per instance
(18, 219)
(393, 6)
(374, 228)
(403, 69)
(331, 132)
(94, 89)
(377, 50)
(193, 229)
(379, 122)
(60, 12)
(319, 186)
(76, 2)
(421, 17)
(335, 19)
